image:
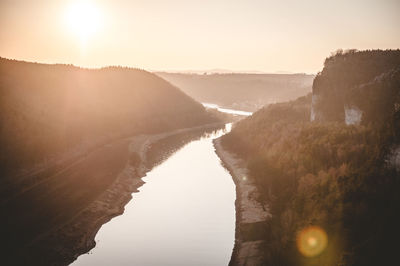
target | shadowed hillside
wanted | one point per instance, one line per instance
(241, 91)
(49, 110)
(341, 178)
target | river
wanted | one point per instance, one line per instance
(183, 215)
(227, 110)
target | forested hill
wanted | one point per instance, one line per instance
(341, 88)
(47, 111)
(241, 91)
(341, 178)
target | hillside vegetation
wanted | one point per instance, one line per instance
(326, 173)
(241, 91)
(48, 111)
(343, 81)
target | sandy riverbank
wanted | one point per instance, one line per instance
(63, 244)
(251, 216)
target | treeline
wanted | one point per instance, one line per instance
(327, 174)
(48, 110)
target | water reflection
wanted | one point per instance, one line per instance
(183, 215)
(217, 133)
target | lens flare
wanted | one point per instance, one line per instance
(311, 241)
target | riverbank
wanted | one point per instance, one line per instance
(63, 243)
(251, 217)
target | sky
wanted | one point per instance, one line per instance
(171, 35)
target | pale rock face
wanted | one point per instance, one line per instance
(313, 111)
(394, 158)
(353, 115)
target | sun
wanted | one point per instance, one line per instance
(83, 19)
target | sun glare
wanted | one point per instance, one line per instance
(83, 19)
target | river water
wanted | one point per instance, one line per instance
(227, 110)
(183, 215)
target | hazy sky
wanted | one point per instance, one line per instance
(259, 35)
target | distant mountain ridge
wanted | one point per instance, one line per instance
(248, 92)
(222, 71)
